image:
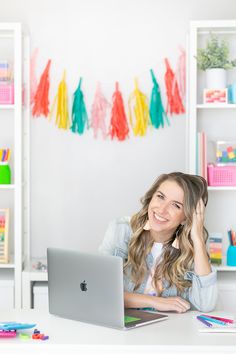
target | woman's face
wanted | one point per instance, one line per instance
(166, 210)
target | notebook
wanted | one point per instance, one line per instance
(227, 329)
(89, 288)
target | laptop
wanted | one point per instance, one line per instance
(89, 288)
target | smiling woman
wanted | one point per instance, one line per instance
(166, 264)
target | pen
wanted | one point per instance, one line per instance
(227, 320)
(213, 320)
(204, 321)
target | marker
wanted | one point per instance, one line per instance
(213, 320)
(230, 238)
(204, 321)
(7, 334)
(227, 320)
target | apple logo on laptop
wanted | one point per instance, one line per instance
(83, 286)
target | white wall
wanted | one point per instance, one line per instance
(78, 183)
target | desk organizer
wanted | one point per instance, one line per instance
(231, 256)
(225, 153)
(6, 93)
(5, 173)
(221, 175)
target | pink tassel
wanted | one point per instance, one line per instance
(33, 79)
(180, 74)
(98, 113)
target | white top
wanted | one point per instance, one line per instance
(156, 253)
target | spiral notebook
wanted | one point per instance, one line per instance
(225, 329)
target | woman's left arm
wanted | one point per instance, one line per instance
(201, 260)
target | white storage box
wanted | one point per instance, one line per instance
(40, 295)
(7, 294)
(226, 297)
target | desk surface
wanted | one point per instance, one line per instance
(178, 334)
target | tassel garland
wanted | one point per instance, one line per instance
(157, 112)
(61, 98)
(174, 102)
(79, 113)
(41, 100)
(98, 113)
(140, 110)
(118, 125)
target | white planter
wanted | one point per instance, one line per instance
(215, 78)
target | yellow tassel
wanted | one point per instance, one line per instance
(62, 115)
(141, 111)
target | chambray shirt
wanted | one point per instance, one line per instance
(202, 295)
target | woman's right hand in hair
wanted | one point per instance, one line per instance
(176, 304)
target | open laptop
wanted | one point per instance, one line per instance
(89, 288)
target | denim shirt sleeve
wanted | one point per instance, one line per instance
(203, 293)
(116, 243)
(117, 237)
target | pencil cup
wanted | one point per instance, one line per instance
(231, 256)
(5, 173)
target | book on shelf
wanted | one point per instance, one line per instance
(202, 154)
(215, 248)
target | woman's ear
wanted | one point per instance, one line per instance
(183, 222)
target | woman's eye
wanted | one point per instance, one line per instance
(176, 205)
(160, 196)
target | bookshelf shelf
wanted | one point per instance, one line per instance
(7, 106)
(225, 268)
(7, 186)
(10, 265)
(221, 188)
(216, 106)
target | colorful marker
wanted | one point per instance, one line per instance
(204, 321)
(227, 320)
(213, 320)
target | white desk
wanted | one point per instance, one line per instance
(178, 334)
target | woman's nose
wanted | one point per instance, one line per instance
(163, 207)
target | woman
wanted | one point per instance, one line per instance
(166, 264)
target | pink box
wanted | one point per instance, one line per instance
(215, 96)
(7, 93)
(221, 175)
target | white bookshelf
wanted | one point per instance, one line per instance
(218, 121)
(11, 47)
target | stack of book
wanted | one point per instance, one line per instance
(202, 155)
(215, 248)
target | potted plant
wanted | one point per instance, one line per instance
(214, 59)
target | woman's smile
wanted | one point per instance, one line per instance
(159, 219)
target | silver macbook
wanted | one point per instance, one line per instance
(89, 288)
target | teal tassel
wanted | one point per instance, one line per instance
(156, 110)
(79, 113)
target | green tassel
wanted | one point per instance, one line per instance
(156, 110)
(79, 113)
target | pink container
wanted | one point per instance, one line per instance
(7, 93)
(221, 175)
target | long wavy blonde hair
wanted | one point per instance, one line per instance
(174, 262)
